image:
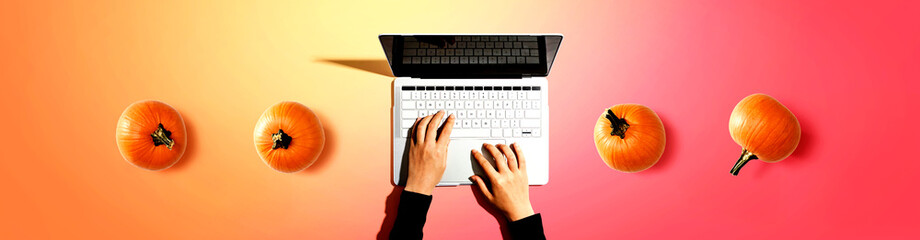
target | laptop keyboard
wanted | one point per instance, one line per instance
(480, 111)
(471, 50)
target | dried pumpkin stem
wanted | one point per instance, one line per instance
(745, 157)
(281, 139)
(161, 137)
(618, 125)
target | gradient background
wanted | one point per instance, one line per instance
(848, 69)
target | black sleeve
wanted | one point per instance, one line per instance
(527, 228)
(410, 216)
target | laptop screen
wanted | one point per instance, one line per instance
(470, 56)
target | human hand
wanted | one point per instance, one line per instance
(428, 152)
(510, 192)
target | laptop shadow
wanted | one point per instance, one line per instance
(376, 66)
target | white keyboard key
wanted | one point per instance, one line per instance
(470, 133)
(500, 114)
(518, 113)
(477, 123)
(435, 95)
(522, 95)
(528, 105)
(464, 95)
(429, 104)
(515, 123)
(496, 123)
(531, 113)
(493, 95)
(445, 95)
(408, 105)
(483, 95)
(503, 95)
(496, 133)
(439, 105)
(471, 113)
(480, 113)
(406, 95)
(525, 132)
(449, 104)
(535, 132)
(409, 114)
(407, 123)
(497, 104)
(512, 96)
(461, 114)
(506, 123)
(490, 114)
(517, 104)
(507, 104)
(416, 95)
(458, 104)
(467, 123)
(426, 95)
(420, 104)
(530, 123)
(533, 95)
(509, 113)
(486, 123)
(468, 104)
(516, 132)
(507, 132)
(487, 104)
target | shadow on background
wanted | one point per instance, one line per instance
(392, 204)
(376, 66)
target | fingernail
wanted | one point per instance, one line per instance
(471, 178)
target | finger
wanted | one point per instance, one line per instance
(486, 166)
(413, 129)
(444, 138)
(522, 164)
(482, 187)
(500, 161)
(432, 131)
(422, 127)
(510, 156)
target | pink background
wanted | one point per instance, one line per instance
(848, 70)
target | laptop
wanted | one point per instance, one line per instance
(494, 84)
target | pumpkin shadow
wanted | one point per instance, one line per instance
(329, 147)
(390, 208)
(376, 66)
(191, 145)
(671, 143)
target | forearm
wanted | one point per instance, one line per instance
(411, 215)
(527, 228)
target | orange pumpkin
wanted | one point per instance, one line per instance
(151, 135)
(764, 128)
(629, 137)
(289, 137)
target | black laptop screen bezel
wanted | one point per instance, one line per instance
(464, 70)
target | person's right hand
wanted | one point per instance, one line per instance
(509, 182)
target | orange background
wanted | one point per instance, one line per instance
(848, 70)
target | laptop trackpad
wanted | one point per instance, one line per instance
(460, 162)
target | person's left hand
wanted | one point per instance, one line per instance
(428, 153)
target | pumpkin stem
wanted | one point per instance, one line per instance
(161, 137)
(745, 157)
(618, 125)
(281, 139)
